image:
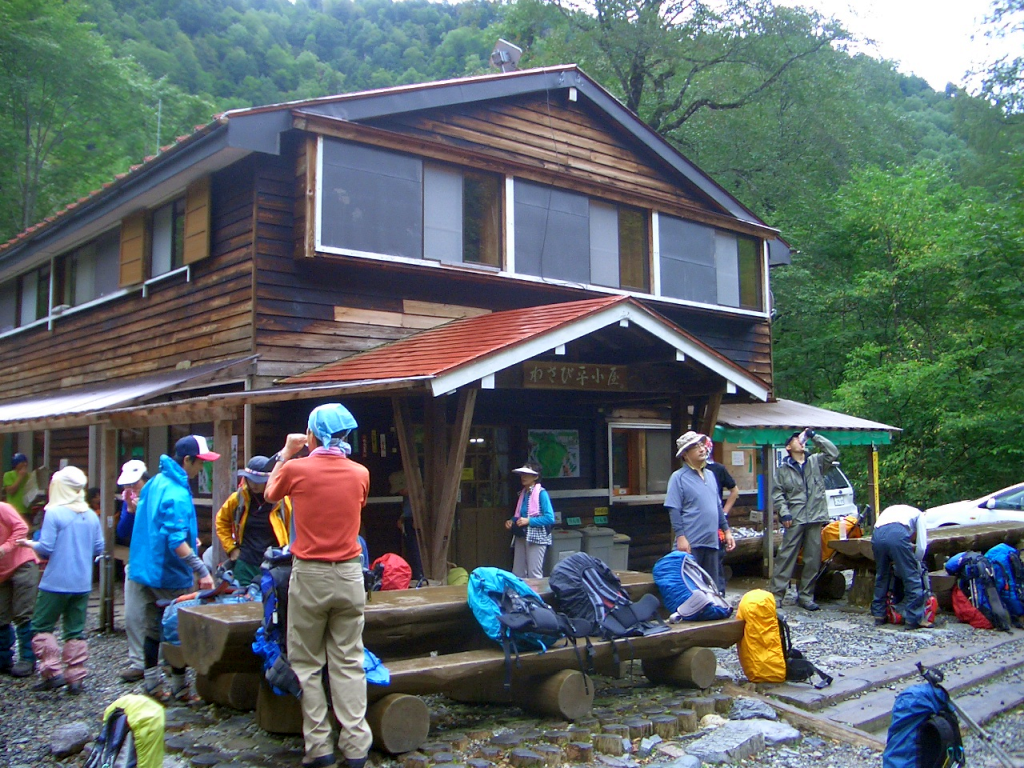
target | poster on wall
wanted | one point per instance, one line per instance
(557, 451)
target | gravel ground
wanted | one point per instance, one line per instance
(835, 638)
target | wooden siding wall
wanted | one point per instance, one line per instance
(73, 445)
(205, 320)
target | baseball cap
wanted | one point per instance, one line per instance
(258, 469)
(131, 471)
(194, 445)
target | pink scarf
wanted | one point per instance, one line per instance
(533, 505)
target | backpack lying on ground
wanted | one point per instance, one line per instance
(115, 746)
(965, 611)
(588, 590)
(799, 669)
(977, 580)
(687, 590)
(1009, 573)
(924, 732)
(760, 648)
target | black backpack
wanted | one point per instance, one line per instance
(115, 746)
(799, 668)
(589, 591)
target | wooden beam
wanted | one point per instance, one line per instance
(413, 476)
(709, 417)
(108, 487)
(814, 723)
(435, 453)
(445, 510)
(224, 481)
(678, 426)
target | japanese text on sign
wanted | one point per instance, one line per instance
(574, 376)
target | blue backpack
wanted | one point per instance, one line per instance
(1009, 574)
(924, 732)
(977, 580)
(687, 590)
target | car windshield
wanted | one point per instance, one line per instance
(835, 480)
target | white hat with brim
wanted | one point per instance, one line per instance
(524, 470)
(131, 472)
(686, 441)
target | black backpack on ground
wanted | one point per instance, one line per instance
(588, 590)
(799, 669)
(115, 746)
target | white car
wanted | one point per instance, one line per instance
(839, 494)
(1005, 506)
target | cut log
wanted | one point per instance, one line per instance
(525, 758)
(723, 703)
(831, 585)
(218, 638)
(551, 754)
(665, 726)
(567, 694)
(579, 752)
(238, 690)
(687, 720)
(277, 714)
(694, 667)
(639, 727)
(173, 655)
(399, 722)
(608, 743)
(701, 706)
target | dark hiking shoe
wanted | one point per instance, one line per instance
(76, 689)
(131, 674)
(808, 605)
(50, 684)
(23, 668)
(319, 762)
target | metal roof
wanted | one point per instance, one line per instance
(771, 423)
(88, 400)
(475, 348)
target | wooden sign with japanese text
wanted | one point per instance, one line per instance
(600, 378)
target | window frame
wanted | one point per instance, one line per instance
(641, 470)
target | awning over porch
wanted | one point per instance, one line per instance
(476, 348)
(75, 407)
(773, 423)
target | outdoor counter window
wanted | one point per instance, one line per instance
(639, 461)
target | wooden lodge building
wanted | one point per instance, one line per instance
(481, 269)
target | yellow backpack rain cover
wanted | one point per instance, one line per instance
(760, 649)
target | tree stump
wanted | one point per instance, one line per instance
(723, 703)
(589, 723)
(665, 726)
(701, 706)
(566, 694)
(639, 727)
(525, 758)
(415, 760)
(399, 722)
(694, 667)
(620, 730)
(608, 744)
(551, 754)
(863, 590)
(457, 741)
(579, 752)
(687, 720)
(558, 738)
(238, 690)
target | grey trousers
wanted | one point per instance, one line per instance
(528, 559)
(806, 536)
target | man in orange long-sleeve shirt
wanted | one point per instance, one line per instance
(326, 596)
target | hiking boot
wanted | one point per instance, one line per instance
(184, 695)
(76, 689)
(808, 605)
(23, 668)
(923, 625)
(131, 674)
(321, 762)
(50, 684)
(879, 621)
(356, 762)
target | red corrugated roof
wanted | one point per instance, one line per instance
(434, 351)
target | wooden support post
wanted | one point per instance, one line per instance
(694, 668)
(238, 690)
(399, 722)
(224, 480)
(874, 498)
(456, 457)
(108, 487)
(678, 425)
(413, 476)
(277, 714)
(768, 527)
(709, 417)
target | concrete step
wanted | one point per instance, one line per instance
(872, 711)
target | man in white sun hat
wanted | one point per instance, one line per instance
(162, 564)
(694, 503)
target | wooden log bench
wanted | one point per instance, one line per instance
(405, 627)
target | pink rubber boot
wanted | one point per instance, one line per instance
(76, 653)
(44, 646)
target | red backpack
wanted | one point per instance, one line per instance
(395, 573)
(966, 612)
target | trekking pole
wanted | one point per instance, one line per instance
(935, 677)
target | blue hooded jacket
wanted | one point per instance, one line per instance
(165, 517)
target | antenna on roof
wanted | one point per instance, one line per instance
(506, 56)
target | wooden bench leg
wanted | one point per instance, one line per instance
(863, 589)
(693, 668)
(238, 690)
(566, 694)
(400, 723)
(277, 714)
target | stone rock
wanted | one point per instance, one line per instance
(615, 762)
(712, 721)
(843, 662)
(775, 733)
(683, 761)
(748, 709)
(728, 744)
(670, 750)
(70, 739)
(647, 744)
(814, 742)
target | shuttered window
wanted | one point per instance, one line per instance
(133, 249)
(196, 245)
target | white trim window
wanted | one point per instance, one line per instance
(639, 460)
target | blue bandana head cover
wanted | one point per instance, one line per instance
(328, 420)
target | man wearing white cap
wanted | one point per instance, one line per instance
(694, 502)
(326, 597)
(161, 563)
(132, 478)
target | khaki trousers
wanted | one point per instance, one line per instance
(325, 626)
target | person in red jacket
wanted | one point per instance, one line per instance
(326, 596)
(19, 580)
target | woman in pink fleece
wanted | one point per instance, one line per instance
(70, 539)
(19, 579)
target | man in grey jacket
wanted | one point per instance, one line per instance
(799, 497)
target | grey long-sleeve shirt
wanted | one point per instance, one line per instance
(695, 507)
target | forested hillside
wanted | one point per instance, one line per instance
(905, 300)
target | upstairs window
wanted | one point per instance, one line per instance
(379, 202)
(167, 252)
(707, 265)
(34, 295)
(88, 272)
(8, 305)
(564, 235)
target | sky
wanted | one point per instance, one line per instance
(928, 38)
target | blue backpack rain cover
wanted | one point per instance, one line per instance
(913, 709)
(687, 589)
(1009, 577)
(485, 593)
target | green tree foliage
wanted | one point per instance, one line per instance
(1004, 81)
